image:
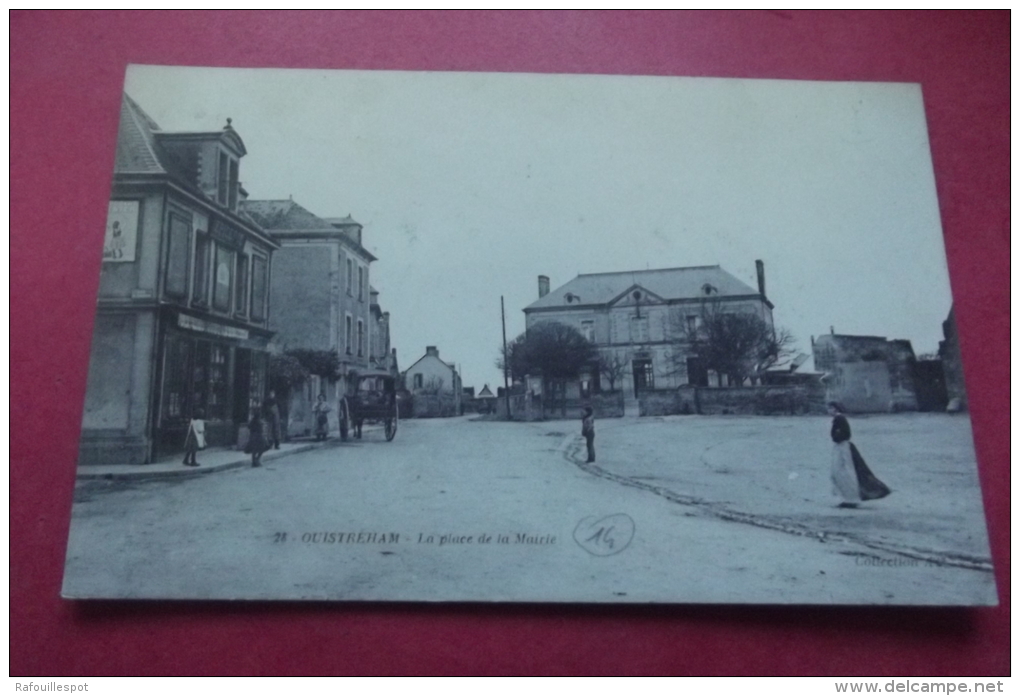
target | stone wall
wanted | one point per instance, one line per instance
(526, 407)
(659, 402)
(434, 406)
(793, 399)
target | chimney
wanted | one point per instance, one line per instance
(760, 266)
(432, 350)
(543, 286)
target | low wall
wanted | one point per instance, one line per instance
(794, 399)
(434, 406)
(525, 407)
(659, 402)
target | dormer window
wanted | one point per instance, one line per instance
(226, 181)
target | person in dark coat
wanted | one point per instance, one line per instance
(588, 431)
(257, 443)
(852, 480)
(271, 412)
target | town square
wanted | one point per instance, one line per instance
(468, 337)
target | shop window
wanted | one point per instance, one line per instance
(199, 377)
(241, 285)
(257, 383)
(223, 264)
(259, 271)
(216, 398)
(176, 367)
(176, 284)
(200, 295)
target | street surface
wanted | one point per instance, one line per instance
(678, 509)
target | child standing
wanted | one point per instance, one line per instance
(588, 430)
(195, 439)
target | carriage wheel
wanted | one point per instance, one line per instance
(391, 426)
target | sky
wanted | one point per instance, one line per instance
(471, 185)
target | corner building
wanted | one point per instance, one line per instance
(183, 309)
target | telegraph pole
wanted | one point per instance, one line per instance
(506, 380)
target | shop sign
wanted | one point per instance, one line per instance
(191, 323)
(228, 235)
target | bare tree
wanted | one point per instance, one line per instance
(738, 344)
(613, 367)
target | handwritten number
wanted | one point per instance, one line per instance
(279, 537)
(603, 536)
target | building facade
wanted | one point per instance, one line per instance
(322, 299)
(952, 364)
(183, 309)
(637, 320)
(867, 374)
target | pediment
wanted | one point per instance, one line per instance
(636, 295)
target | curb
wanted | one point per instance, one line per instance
(140, 472)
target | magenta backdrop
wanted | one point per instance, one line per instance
(66, 77)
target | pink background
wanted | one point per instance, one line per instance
(66, 76)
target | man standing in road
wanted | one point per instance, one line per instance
(588, 430)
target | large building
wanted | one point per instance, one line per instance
(636, 319)
(322, 299)
(183, 310)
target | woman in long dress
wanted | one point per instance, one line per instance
(321, 413)
(852, 480)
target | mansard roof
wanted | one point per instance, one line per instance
(692, 282)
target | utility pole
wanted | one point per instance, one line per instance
(506, 380)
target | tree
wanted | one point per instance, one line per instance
(555, 351)
(323, 363)
(738, 344)
(285, 373)
(613, 367)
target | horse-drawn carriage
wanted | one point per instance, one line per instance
(371, 397)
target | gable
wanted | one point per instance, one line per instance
(636, 296)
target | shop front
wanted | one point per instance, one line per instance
(211, 367)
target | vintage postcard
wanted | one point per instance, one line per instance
(528, 338)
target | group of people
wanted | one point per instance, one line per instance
(852, 480)
(264, 432)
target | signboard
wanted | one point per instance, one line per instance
(186, 321)
(121, 231)
(226, 234)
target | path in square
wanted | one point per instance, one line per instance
(460, 509)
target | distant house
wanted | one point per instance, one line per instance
(634, 317)
(486, 400)
(867, 374)
(435, 386)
